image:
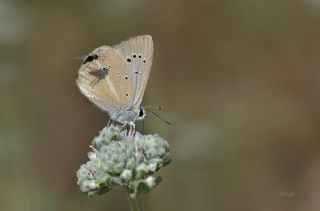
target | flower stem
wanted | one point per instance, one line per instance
(133, 202)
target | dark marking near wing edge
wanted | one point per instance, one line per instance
(90, 58)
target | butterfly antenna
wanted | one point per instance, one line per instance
(159, 108)
(157, 115)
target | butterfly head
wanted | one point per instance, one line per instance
(130, 115)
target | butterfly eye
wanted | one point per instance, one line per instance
(140, 56)
(126, 77)
(134, 55)
(128, 59)
(141, 112)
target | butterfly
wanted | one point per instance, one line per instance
(115, 78)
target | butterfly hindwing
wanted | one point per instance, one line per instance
(105, 80)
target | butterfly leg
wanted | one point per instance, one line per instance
(132, 129)
(125, 124)
(128, 127)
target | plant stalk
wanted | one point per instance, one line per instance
(133, 202)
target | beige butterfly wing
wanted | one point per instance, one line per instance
(106, 82)
(137, 52)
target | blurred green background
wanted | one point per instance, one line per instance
(239, 80)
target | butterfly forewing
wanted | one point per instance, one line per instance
(106, 80)
(137, 52)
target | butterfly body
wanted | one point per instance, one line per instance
(115, 78)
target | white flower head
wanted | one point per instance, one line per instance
(118, 160)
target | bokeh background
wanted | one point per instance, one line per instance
(239, 80)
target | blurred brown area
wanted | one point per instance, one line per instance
(239, 80)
